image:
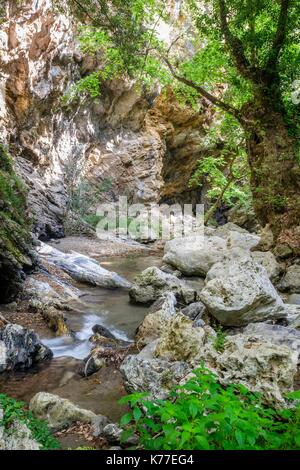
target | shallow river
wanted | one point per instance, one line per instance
(111, 308)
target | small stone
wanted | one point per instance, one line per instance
(283, 251)
(291, 280)
(194, 310)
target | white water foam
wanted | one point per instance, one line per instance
(78, 346)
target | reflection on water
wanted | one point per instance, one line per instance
(110, 308)
(99, 393)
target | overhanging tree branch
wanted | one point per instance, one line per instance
(236, 47)
(211, 98)
(82, 8)
(279, 36)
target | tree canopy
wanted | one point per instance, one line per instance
(241, 56)
(244, 45)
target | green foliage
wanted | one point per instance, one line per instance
(12, 189)
(126, 35)
(15, 411)
(203, 415)
(14, 221)
(83, 195)
(241, 57)
(225, 167)
(220, 339)
(92, 219)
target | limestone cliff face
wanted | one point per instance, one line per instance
(147, 145)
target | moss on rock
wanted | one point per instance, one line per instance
(15, 239)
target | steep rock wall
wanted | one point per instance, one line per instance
(15, 241)
(147, 145)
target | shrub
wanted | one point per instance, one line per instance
(14, 410)
(203, 415)
(220, 339)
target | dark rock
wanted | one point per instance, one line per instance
(103, 355)
(194, 310)
(101, 330)
(112, 433)
(20, 348)
(99, 424)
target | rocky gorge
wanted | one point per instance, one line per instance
(85, 321)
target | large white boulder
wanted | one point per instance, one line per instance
(255, 362)
(83, 269)
(194, 255)
(238, 291)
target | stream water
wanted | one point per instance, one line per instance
(110, 308)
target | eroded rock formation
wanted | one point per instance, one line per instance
(146, 145)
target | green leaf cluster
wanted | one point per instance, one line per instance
(204, 415)
(15, 411)
(224, 165)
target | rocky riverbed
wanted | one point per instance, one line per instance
(137, 318)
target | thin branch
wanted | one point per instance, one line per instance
(236, 47)
(211, 98)
(280, 34)
(79, 5)
(218, 202)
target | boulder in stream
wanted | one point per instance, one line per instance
(194, 255)
(152, 283)
(58, 412)
(238, 291)
(153, 375)
(157, 321)
(103, 331)
(20, 348)
(83, 269)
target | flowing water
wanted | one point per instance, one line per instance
(110, 308)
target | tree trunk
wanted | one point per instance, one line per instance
(275, 172)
